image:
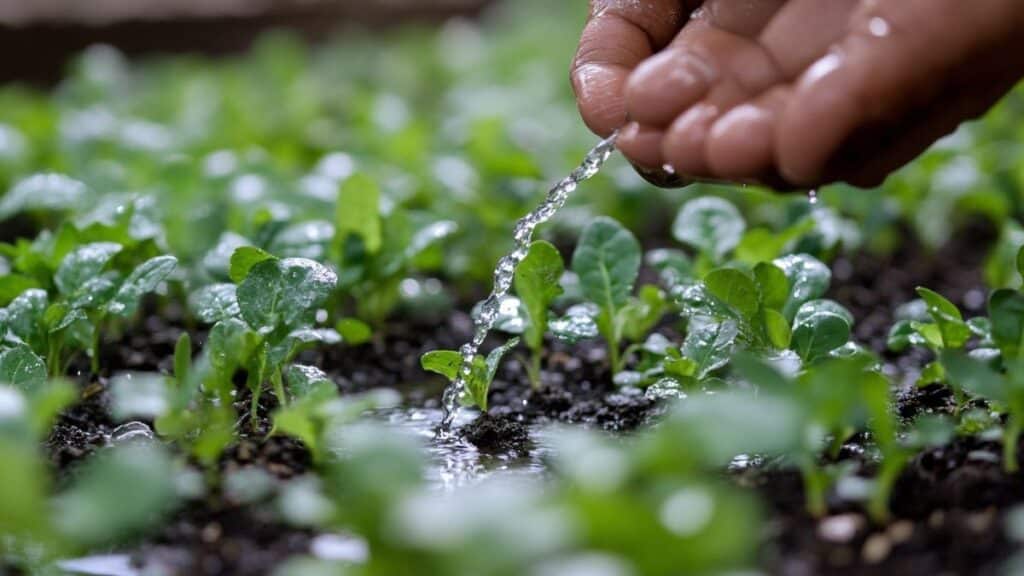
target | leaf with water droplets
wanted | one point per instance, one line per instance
(709, 224)
(302, 240)
(214, 302)
(734, 289)
(39, 192)
(607, 260)
(709, 345)
(809, 309)
(12, 285)
(82, 265)
(818, 334)
(579, 323)
(428, 235)
(143, 279)
(22, 368)
(230, 345)
(674, 266)
(303, 380)
(25, 318)
(284, 293)
(479, 383)
(808, 279)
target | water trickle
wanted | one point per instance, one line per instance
(130, 431)
(506, 268)
(812, 197)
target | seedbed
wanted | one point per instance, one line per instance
(233, 292)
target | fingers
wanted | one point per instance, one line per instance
(617, 37)
(889, 63)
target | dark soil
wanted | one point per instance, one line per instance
(948, 505)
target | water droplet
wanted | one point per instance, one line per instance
(812, 197)
(879, 27)
(129, 432)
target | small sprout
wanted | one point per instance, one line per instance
(537, 284)
(607, 260)
(710, 225)
(448, 362)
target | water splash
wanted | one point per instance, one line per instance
(506, 268)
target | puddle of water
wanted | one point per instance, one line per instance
(453, 462)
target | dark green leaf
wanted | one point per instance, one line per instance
(974, 377)
(773, 285)
(143, 280)
(22, 368)
(819, 334)
(1006, 310)
(82, 265)
(735, 289)
(709, 345)
(284, 293)
(215, 302)
(607, 260)
(808, 280)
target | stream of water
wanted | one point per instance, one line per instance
(505, 270)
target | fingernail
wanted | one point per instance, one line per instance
(661, 177)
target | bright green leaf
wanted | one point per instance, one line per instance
(537, 285)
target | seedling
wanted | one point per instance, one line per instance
(89, 291)
(537, 284)
(447, 364)
(263, 322)
(372, 264)
(607, 261)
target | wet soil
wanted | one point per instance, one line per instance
(948, 506)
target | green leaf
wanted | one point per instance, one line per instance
(773, 285)
(82, 265)
(709, 345)
(479, 383)
(183, 359)
(810, 308)
(42, 192)
(974, 377)
(578, 323)
(358, 211)
(902, 335)
(777, 328)
(354, 331)
(819, 334)
(537, 285)
(304, 380)
(607, 261)
(143, 280)
(284, 293)
(1006, 311)
(954, 330)
(25, 318)
(709, 224)
(230, 345)
(1020, 261)
(674, 266)
(443, 362)
(139, 396)
(243, 259)
(215, 302)
(22, 368)
(641, 314)
(735, 289)
(808, 280)
(932, 373)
